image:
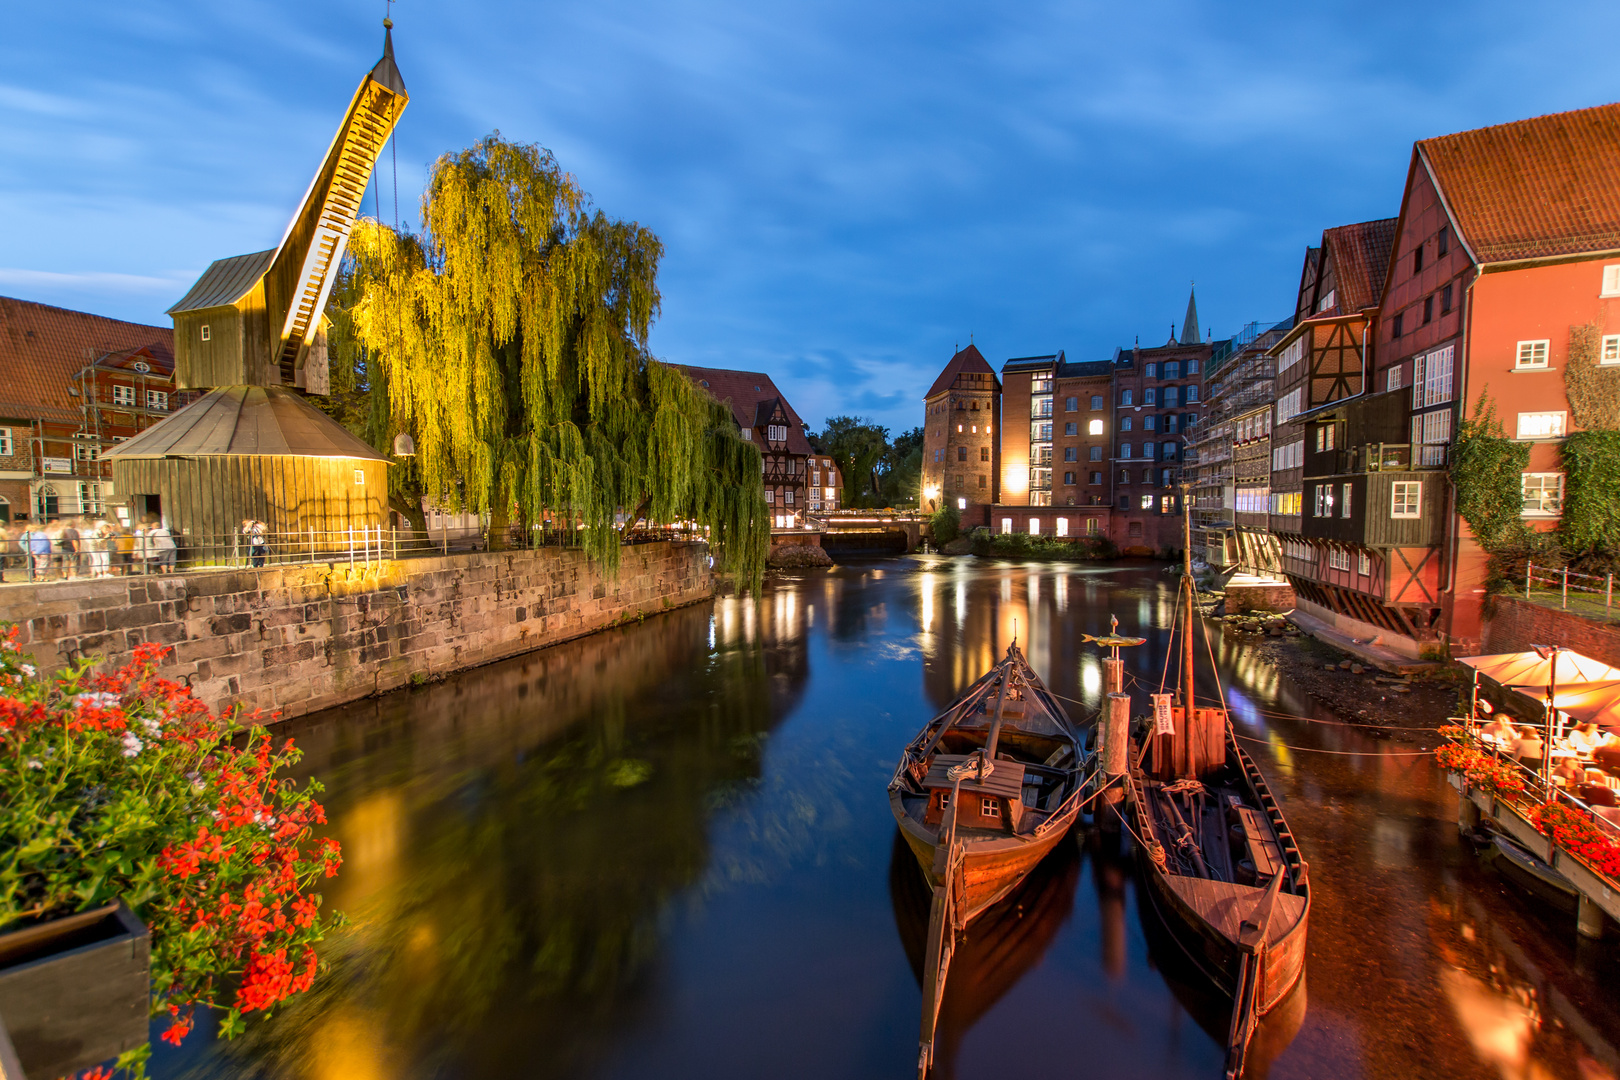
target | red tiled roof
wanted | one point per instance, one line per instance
(969, 359)
(1360, 261)
(1545, 186)
(745, 391)
(42, 348)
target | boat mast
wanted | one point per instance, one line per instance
(1190, 599)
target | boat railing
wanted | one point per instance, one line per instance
(1279, 825)
(946, 920)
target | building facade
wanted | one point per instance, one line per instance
(1055, 445)
(797, 480)
(962, 448)
(72, 386)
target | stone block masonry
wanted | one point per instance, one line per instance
(298, 639)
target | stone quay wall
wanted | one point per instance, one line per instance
(1516, 624)
(297, 639)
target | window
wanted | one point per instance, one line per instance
(1442, 244)
(1170, 422)
(1324, 437)
(1432, 431)
(359, 478)
(1124, 476)
(1324, 500)
(959, 428)
(1188, 421)
(939, 455)
(1431, 378)
(984, 481)
(7, 446)
(1125, 448)
(1192, 394)
(1192, 367)
(1445, 299)
(1406, 499)
(1532, 354)
(961, 453)
(1610, 352)
(1063, 526)
(1093, 526)
(1171, 397)
(1167, 451)
(1068, 479)
(157, 399)
(1096, 401)
(984, 453)
(1394, 380)
(1006, 526)
(1428, 309)
(1071, 404)
(1125, 503)
(1363, 561)
(1150, 396)
(1071, 429)
(1147, 502)
(1338, 559)
(1125, 397)
(778, 432)
(1417, 259)
(1541, 425)
(123, 395)
(1150, 423)
(86, 451)
(1034, 526)
(989, 808)
(206, 335)
(1328, 301)
(1096, 478)
(748, 435)
(1094, 428)
(1395, 326)
(1543, 494)
(1071, 453)
(1041, 407)
(1293, 354)
(1164, 478)
(1147, 476)
(770, 497)
(1611, 280)
(1172, 370)
(1152, 371)
(1127, 424)
(1096, 453)
(1344, 501)
(787, 496)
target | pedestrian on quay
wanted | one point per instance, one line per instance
(160, 547)
(67, 543)
(258, 549)
(98, 542)
(38, 546)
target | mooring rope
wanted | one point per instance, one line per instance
(1341, 753)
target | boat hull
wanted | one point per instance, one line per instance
(990, 868)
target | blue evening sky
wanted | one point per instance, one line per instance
(847, 190)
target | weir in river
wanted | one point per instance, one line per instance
(665, 850)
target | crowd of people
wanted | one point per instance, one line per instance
(85, 548)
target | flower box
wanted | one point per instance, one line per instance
(74, 991)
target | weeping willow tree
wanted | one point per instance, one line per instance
(509, 339)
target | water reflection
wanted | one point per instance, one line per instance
(666, 851)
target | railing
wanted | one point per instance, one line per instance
(358, 546)
(1391, 457)
(1556, 583)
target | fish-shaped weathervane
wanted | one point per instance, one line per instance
(1113, 639)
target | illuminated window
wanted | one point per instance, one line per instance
(1063, 526)
(1147, 502)
(1006, 526)
(1096, 426)
(1034, 526)
(1344, 501)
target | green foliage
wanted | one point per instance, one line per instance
(1591, 523)
(1486, 468)
(947, 524)
(1045, 548)
(856, 446)
(900, 471)
(509, 339)
(1593, 389)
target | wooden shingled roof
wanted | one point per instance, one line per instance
(269, 421)
(1536, 188)
(42, 349)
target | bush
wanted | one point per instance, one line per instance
(126, 786)
(947, 524)
(1047, 548)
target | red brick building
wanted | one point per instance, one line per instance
(797, 480)
(73, 385)
(961, 444)
(1057, 420)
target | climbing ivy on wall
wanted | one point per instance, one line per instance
(1485, 471)
(509, 339)
(1593, 389)
(1591, 525)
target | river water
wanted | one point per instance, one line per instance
(666, 851)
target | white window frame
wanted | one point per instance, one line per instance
(1147, 502)
(1431, 377)
(1611, 280)
(8, 446)
(123, 394)
(989, 806)
(1609, 349)
(1406, 499)
(1006, 526)
(1344, 505)
(1540, 479)
(1150, 396)
(1393, 382)
(1192, 394)
(83, 451)
(1034, 526)
(1363, 564)
(158, 400)
(1293, 354)
(1535, 431)
(1532, 354)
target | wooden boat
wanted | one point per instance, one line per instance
(1221, 865)
(981, 795)
(1531, 874)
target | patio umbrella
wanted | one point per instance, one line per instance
(1530, 669)
(1585, 702)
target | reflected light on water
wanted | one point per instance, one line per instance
(370, 838)
(1498, 1026)
(349, 1046)
(1060, 592)
(1091, 678)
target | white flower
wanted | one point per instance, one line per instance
(132, 745)
(153, 728)
(97, 699)
(33, 763)
(29, 670)
(196, 780)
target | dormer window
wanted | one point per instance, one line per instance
(776, 432)
(748, 434)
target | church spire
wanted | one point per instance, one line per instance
(1189, 328)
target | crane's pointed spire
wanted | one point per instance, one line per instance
(1189, 328)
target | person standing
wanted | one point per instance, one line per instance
(160, 547)
(68, 543)
(123, 543)
(39, 552)
(254, 530)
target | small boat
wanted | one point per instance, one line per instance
(981, 795)
(1514, 862)
(1221, 865)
